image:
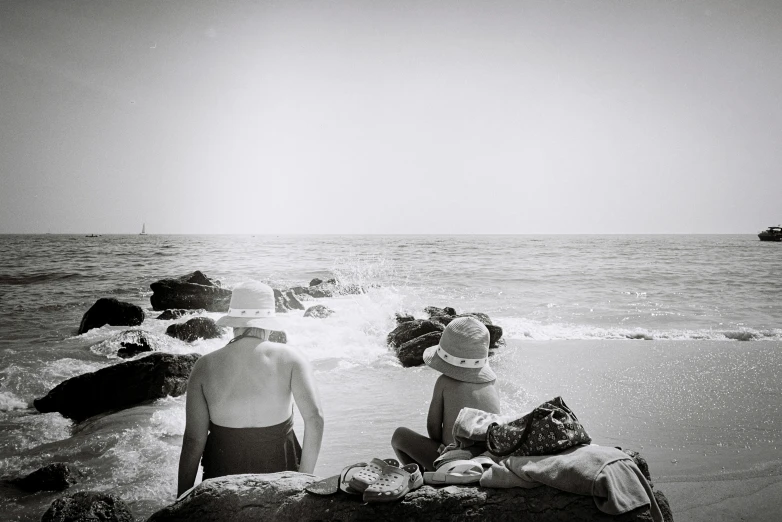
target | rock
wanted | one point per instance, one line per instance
(176, 313)
(300, 290)
(281, 497)
(495, 332)
(195, 328)
(412, 352)
(284, 301)
(410, 330)
(52, 477)
(88, 506)
(478, 315)
(278, 337)
(434, 311)
(319, 311)
(109, 310)
(293, 303)
(133, 343)
(119, 386)
(191, 291)
(403, 318)
(322, 290)
(316, 281)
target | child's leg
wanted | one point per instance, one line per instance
(411, 447)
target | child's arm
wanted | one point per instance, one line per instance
(434, 421)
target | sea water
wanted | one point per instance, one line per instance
(537, 288)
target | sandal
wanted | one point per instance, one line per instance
(455, 472)
(394, 484)
(366, 474)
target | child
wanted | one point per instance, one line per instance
(467, 381)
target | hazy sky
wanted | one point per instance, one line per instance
(390, 116)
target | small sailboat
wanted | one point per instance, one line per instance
(143, 229)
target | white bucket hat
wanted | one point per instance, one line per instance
(463, 352)
(252, 306)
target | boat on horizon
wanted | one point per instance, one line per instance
(143, 229)
(771, 234)
(92, 235)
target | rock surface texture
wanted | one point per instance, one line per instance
(133, 342)
(191, 291)
(88, 506)
(281, 497)
(110, 311)
(195, 328)
(318, 311)
(52, 477)
(119, 386)
(410, 330)
(176, 313)
(412, 352)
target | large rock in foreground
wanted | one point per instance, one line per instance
(409, 330)
(88, 506)
(412, 352)
(281, 497)
(191, 291)
(108, 310)
(120, 386)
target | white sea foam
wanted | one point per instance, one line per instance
(9, 401)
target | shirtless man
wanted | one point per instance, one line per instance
(239, 409)
(467, 381)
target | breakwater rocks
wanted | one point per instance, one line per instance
(191, 291)
(119, 386)
(195, 328)
(88, 506)
(412, 336)
(110, 311)
(281, 497)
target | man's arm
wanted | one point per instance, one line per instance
(305, 393)
(434, 421)
(196, 429)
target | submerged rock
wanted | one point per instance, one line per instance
(195, 328)
(88, 506)
(119, 386)
(315, 281)
(191, 291)
(109, 310)
(410, 330)
(133, 342)
(319, 311)
(412, 352)
(286, 300)
(281, 497)
(176, 313)
(52, 477)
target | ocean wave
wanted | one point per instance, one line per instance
(9, 401)
(32, 279)
(523, 329)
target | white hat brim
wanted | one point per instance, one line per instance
(474, 375)
(267, 323)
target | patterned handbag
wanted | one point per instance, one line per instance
(548, 429)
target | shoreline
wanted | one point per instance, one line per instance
(654, 397)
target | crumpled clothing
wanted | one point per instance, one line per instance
(472, 425)
(607, 474)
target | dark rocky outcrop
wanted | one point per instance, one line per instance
(191, 291)
(448, 314)
(176, 313)
(119, 386)
(402, 318)
(133, 342)
(88, 506)
(315, 281)
(109, 310)
(195, 328)
(434, 311)
(52, 477)
(322, 290)
(412, 352)
(281, 497)
(495, 334)
(410, 330)
(319, 311)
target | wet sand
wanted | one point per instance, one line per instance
(705, 414)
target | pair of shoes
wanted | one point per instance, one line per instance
(353, 479)
(455, 472)
(394, 483)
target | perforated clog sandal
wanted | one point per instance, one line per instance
(394, 483)
(365, 476)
